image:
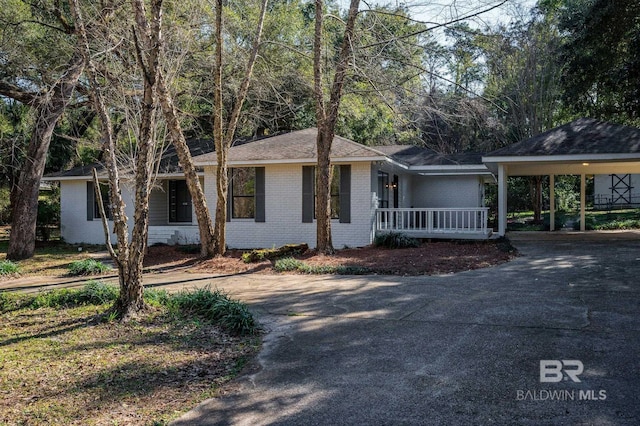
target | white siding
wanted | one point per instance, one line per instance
(602, 189)
(446, 191)
(283, 211)
(74, 226)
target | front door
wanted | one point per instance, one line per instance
(179, 202)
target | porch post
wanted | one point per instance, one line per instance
(552, 202)
(583, 201)
(502, 200)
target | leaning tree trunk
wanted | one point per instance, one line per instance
(22, 241)
(205, 225)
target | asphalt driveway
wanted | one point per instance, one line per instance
(455, 349)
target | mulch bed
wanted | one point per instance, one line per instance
(441, 257)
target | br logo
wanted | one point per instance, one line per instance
(553, 370)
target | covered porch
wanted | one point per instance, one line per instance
(450, 223)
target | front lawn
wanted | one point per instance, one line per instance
(52, 258)
(72, 365)
(598, 220)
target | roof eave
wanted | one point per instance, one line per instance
(292, 161)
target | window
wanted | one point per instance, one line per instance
(243, 193)
(93, 210)
(246, 194)
(340, 193)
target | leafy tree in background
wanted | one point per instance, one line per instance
(600, 49)
(41, 68)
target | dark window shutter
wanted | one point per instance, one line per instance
(229, 194)
(307, 194)
(345, 194)
(90, 200)
(260, 197)
(173, 204)
(396, 193)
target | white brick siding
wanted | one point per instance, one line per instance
(283, 211)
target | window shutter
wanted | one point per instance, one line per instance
(90, 200)
(307, 194)
(229, 194)
(259, 194)
(345, 193)
(173, 205)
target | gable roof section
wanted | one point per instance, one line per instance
(586, 138)
(293, 147)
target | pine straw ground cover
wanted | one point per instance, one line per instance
(430, 258)
(74, 366)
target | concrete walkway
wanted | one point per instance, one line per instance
(455, 349)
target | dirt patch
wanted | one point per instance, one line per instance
(431, 258)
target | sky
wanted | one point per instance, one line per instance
(439, 11)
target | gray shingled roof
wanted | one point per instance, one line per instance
(412, 155)
(168, 163)
(292, 146)
(582, 136)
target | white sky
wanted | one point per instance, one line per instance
(440, 11)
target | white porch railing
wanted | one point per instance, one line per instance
(433, 221)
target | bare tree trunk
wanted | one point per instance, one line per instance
(223, 138)
(326, 117)
(205, 224)
(129, 257)
(25, 196)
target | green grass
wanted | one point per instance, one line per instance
(8, 267)
(594, 220)
(60, 352)
(87, 267)
(51, 259)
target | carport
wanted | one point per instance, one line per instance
(583, 147)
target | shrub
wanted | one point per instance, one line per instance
(274, 253)
(87, 267)
(288, 264)
(394, 240)
(215, 306)
(93, 293)
(8, 267)
(48, 215)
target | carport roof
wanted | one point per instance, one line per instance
(584, 146)
(582, 136)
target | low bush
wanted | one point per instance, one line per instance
(8, 267)
(93, 293)
(274, 253)
(289, 264)
(87, 267)
(208, 305)
(215, 306)
(395, 240)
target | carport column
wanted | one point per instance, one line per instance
(552, 202)
(583, 201)
(502, 200)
